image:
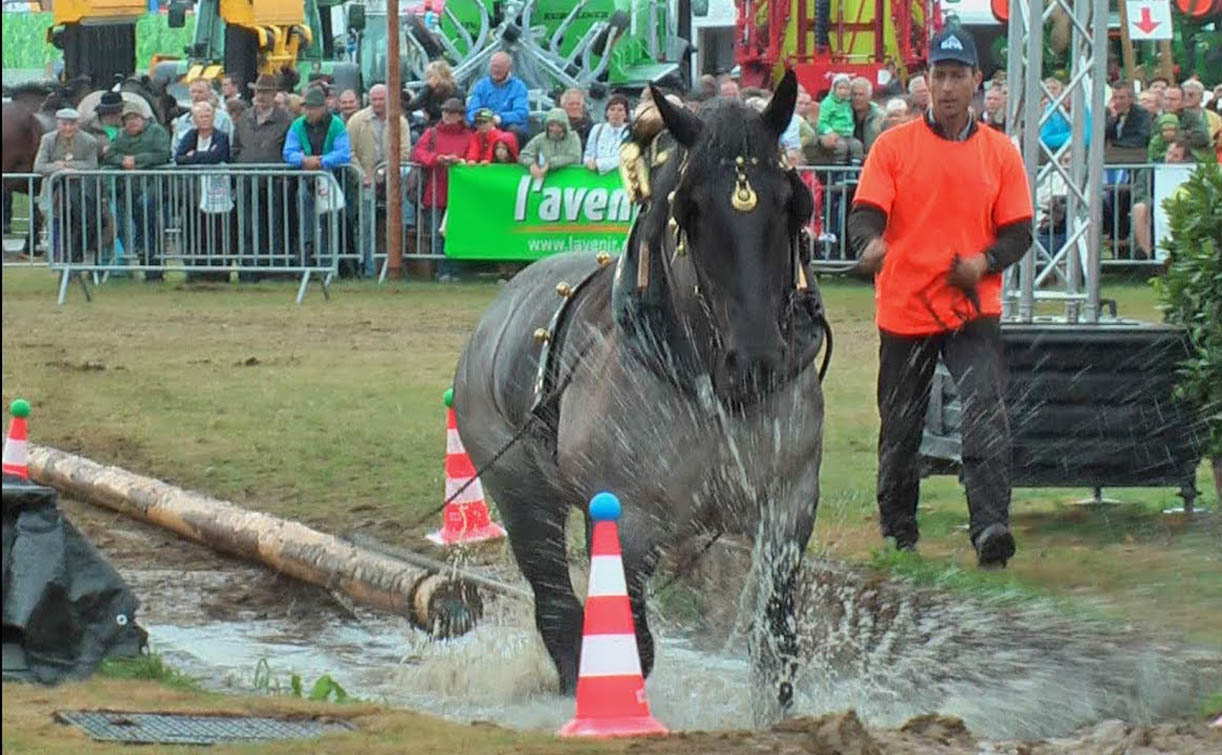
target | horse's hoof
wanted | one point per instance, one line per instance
(785, 694)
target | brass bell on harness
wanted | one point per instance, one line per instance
(564, 290)
(542, 336)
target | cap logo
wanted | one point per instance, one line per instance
(952, 43)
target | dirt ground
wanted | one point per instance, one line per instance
(166, 574)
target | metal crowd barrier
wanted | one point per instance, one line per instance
(1127, 235)
(272, 220)
(420, 222)
(204, 221)
(22, 230)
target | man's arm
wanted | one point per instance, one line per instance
(292, 152)
(518, 110)
(340, 154)
(1012, 242)
(157, 148)
(43, 163)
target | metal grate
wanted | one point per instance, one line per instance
(169, 728)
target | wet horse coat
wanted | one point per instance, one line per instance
(694, 397)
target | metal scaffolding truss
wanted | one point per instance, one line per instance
(1069, 273)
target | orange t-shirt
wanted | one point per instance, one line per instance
(941, 198)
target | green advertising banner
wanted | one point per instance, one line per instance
(499, 212)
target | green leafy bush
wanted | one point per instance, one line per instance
(1191, 292)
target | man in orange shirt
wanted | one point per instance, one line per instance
(942, 208)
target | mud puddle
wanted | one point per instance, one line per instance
(889, 652)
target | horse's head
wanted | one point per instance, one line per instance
(740, 208)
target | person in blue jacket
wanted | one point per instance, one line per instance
(504, 94)
(1057, 129)
(317, 140)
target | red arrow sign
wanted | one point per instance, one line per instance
(1146, 24)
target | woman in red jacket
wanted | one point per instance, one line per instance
(440, 147)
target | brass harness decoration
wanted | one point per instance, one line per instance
(743, 199)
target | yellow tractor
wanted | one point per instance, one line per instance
(243, 38)
(98, 37)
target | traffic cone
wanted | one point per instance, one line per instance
(611, 698)
(464, 519)
(16, 452)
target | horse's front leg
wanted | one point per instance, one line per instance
(785, 526)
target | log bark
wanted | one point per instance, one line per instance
(369, 578)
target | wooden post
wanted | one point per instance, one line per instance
(394, 111)
(1166, 67)
(1126, 43)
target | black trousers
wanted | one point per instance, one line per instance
(974, 356)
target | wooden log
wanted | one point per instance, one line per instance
(447, 606)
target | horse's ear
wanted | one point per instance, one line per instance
(779, 112)
(682, 123)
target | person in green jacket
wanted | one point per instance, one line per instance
(556, 147)
(836, 124)
(1165, 128)
(139, 146)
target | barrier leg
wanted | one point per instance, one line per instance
(301, 290)
(64, 277)
(84, 279)
(326, 286)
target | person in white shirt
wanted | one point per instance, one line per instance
(602, 146)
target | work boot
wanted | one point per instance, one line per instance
(994, 546)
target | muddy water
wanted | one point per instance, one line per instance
(881, 647)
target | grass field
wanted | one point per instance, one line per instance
(331, 413)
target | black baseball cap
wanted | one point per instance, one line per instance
(954, 45)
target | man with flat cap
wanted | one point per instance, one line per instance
(68, 148)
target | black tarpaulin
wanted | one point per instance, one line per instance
(65, 607)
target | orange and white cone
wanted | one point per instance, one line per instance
(611, 699)
(464, 519)
(16, 450)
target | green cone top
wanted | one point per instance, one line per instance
(448, 397)
(20, 408)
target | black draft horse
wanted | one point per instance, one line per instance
(682, 379)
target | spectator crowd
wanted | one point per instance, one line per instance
(442, 126)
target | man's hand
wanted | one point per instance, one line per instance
(538, 171)
(872, 257)
(592, 164)
(129, 163)
(966, 272)
(829, 140)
